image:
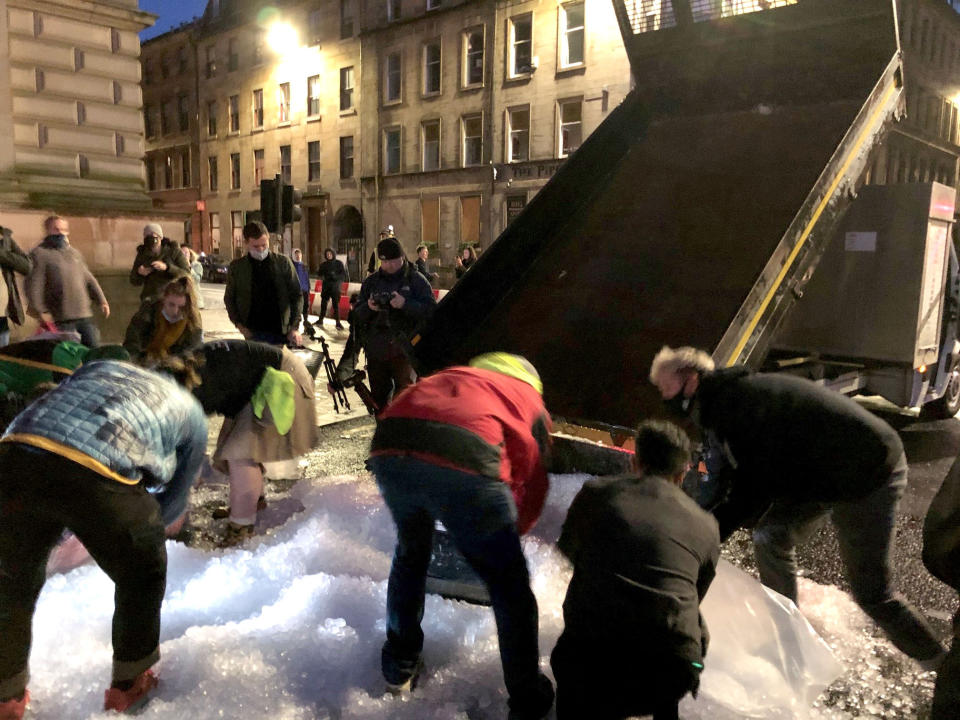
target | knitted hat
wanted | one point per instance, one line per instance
(389, 249)
(152, 229)
(516, 366)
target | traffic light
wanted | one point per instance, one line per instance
(269, 212)
(290, 207)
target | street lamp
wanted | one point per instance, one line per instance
(282, 38)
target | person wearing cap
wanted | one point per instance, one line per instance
(786, 453)
(158, 261)
(393, 303)
(60, 286)
(467, 446)
(643, 554)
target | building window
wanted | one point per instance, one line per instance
(433, 4)
(258, 162)
(258, 108)
(185, 179)
(521, 45)
(515, 205)
(233, 111)
(257, 47)
(571, 34)
(166, 108)
(431, 68)
(213, 180)
(313, 161)
(283, 102)
(168, 173)
(117, 92)
(391, 150)
(313, 95)
(518, 132)
(346, 88)
(114, 40)
(471, 135)
(183, 113)
(393, 10)
(430, 144)
(151, 175)
(314, 23)
(469, 220)
(215, 231)
(183, 63)
(233, 58)
(148, 127)
(147, 71)
(164, 66)
(571, 127)
(392, 74)
(285, 171)
(234, 171)
(346, 157)
(472, 57)
(79, 59)
(211, 67)
(236, 230)
(430, 220)
(212, 118)
(346, 19)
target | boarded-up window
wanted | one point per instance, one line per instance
(430, 221)
(469, 219)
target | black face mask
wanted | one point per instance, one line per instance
(679, 404)
(57, 240)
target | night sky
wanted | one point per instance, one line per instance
(171, 13)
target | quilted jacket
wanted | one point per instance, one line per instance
(128, 424)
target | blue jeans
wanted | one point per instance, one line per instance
(480, 517)
(865, 529)
(89, 332)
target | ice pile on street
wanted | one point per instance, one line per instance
(291, 627)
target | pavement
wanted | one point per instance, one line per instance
(217, 326)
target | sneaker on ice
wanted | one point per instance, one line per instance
(14, 709)
(134, 698)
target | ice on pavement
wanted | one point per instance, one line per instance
(290, 628)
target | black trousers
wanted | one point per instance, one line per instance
(389, 375)
(604, 683)
(306, 310)
(332, 296)
(946, 694)
(42, 493)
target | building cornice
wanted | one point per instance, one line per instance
(99, 13)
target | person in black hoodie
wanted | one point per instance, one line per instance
(333, 275)
(787, 452)
(643, 556)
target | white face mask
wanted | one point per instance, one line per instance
(258, 254)
(174, 319)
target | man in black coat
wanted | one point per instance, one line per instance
(158, 261)
(941, 555)
(12, 260)
(333, 275)
(643, 556)
(787, 452)
(394, 301)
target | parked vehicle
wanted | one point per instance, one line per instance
(214, 268)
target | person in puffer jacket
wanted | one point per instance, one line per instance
(466, 446)
(97, 455)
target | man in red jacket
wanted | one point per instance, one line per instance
(467, 446)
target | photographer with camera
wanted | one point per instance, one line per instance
(394, 301)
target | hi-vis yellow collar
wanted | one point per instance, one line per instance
(515, 366)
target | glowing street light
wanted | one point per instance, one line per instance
(282, 38)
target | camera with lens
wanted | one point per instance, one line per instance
(382, 300)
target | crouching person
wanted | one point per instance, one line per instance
(643, 556)
(466, 446)
(85, 457)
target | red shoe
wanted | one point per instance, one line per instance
(134, 698)
(14, 709)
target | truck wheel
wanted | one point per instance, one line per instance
(949, 404)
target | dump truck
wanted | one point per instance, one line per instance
(720, 205)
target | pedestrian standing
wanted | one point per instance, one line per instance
(82, 458)
(423, 267)
(787, 453)
(303, 275)
(466, 446)
(196, 271)
(263, 296)
(158, 261)
(333, 274)
(465, 261)
(12, 260)
(60, 286)
(643, 556)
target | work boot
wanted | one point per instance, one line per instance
(236, 535)
(340, 326)
(13, 709)
(535, 703)
(407, 685)
(223, 512)
(133, 698)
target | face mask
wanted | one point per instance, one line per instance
(173, 319)
(57, 240)
(258, 254)
(679, 404)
